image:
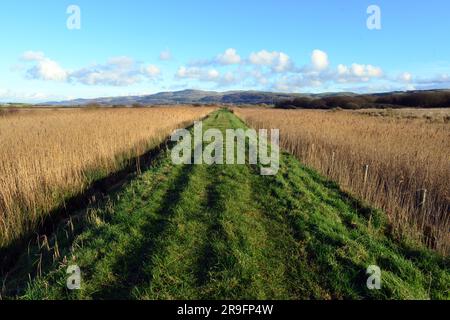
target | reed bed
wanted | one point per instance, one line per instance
(399, 165)
(49, 155)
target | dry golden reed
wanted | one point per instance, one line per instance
(47, 155)
(399, 165)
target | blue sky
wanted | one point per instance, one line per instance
(142, 47)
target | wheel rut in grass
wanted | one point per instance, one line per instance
(133, 267)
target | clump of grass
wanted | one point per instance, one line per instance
(387, 161)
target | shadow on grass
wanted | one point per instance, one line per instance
(133, 265)
(96, 192)
(210, 257)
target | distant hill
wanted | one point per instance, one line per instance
(187, 97)
(430, 98)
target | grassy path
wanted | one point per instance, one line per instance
(224, 231)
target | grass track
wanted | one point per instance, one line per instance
(224, 231)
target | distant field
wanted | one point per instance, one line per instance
(48, 155)
(435, 115)
(398, 161)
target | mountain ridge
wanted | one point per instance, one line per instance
(191, 96)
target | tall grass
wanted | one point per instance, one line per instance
(48, 155)
(389, 162)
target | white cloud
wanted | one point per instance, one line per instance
(206, 75)
(284, 62)
(260, 77)
(320, 72)
(263, 57)
(213, 74)
(122, 61)
(229, 77)
(275, 70)
(374, 72)
(44, 68)
(319, 60)
(298, 82)
(405, 77)
(152, 70)
(165, 55)
(262, 69)
(197, 73)
(278, 61)
(184, 72)
(33, 56)
(48, 70)
(229, 57)
(358, 72)
(342, 70)
(117, 71)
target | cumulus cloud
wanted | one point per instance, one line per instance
(33, 56)
(122, 61)
(263, 57)
(405, 77)
(190, 72)
(319, 60)
(227, 58)
(230, 56)
(228, 78)
(152, 70)
(117, 71)
(44, 68)
(277, 61)
(260, 77)
(197, 73)
(48, 70)
(213, 74)
(358, 72)
(275, 70)
(297, 82)
(206, 75)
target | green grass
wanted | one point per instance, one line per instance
(226, 232)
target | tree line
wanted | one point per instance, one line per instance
(424, 99)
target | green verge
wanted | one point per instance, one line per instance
(226, 232)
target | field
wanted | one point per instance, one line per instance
(50, 155)
(226, 232)
(431, 115)
(396, 160)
